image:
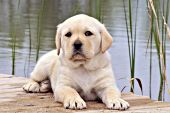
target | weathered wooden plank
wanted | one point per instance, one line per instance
(14, 99)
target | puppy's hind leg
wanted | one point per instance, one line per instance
(39, 81)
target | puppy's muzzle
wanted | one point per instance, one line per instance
(77, 48)
(78, 51)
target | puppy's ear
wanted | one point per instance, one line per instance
(58, 39)
(106, 39)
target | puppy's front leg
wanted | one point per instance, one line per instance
(111, 97)
(69, 97)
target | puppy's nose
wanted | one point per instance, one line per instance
(77, 45)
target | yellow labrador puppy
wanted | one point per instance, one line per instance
(80, 68)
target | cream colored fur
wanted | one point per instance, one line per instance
(87, 77)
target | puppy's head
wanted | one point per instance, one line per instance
(81, 37)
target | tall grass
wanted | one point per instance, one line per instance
(40, 26)
(158, 33)
(98, 11)
(13, 36)
(150, 62)
(95, 9)
(26, 71)
(131, 37)
(30, 43)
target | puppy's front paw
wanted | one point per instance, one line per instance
(74, 103)
(117, 104)
(32, 86)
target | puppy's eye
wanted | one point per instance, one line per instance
(88, 33)
(68, 34)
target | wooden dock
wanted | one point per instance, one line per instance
(14, 100)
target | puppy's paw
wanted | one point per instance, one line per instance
(35, 87)
(74, 103)
(45, 86)
(32, 86)
(117, 104)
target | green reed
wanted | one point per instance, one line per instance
(13, 37)
(98, 10)
(150, 62)
(157, 37)
(158, 33)
(95, 9)
(26, 71)
(40, 26)
(131, 37)
(30, 43)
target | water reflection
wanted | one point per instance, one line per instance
(32, 23)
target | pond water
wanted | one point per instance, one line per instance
(32, 25)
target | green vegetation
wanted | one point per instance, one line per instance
(131, 36)
(13, 36)
(158, 16)
(40, 26)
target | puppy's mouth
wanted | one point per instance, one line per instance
(78, 56)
